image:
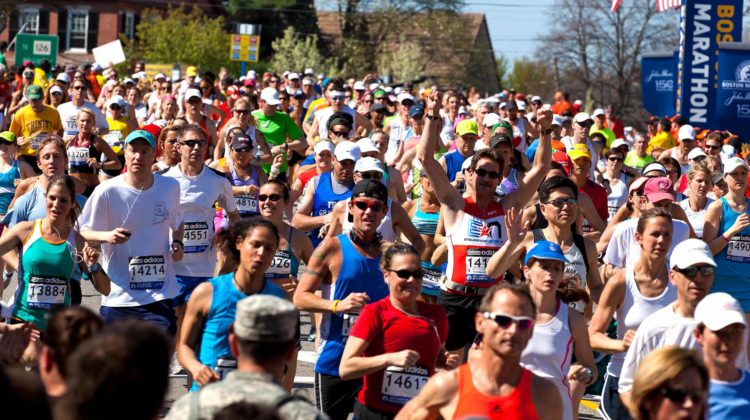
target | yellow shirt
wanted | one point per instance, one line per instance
(28, 124)
(316, 106)
(40, 78)
(661, 141)
(118, 130)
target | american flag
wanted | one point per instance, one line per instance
(662, 5)
(615, 5)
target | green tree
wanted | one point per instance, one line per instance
(295, 52)
(405, 63)
(237, 6)
(503, 69)
(531, 76)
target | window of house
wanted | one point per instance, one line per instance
(129, 27)
(78, 27)
(30, 17)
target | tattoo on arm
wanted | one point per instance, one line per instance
(313, 272)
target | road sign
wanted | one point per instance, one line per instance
(244, 47)
(36, 48)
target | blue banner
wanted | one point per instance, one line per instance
(658, 74)
(703, 25)
(733, 90)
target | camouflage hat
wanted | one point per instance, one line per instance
(265, 318)
(34, 92)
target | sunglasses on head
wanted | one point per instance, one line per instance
(405, 274)
(371, 175)
(272, 197)
(192, 143)
(504, 321)
(365, 204)
(561, 202)
(692, 271)
(483, 173)
(678, 395)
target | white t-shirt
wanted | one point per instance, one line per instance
(325, 114)
(395, 137)
(697, 219)
(141, 269)
(623, 250)
(663, 328)
(69, 114)
(197, 197)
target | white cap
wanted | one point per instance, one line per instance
(578, 102)
(140, 75)
(654, 166)
(397, 90)
(359, 85)
(366, 145)
(252, 75)
(307, 81)
(503, 105)
(192, 93)
(388, 89)
(116, 99)
(628, 129)
(582, 117)
(347, 150)
(719, 310)
(309, 71)
(597, 112)
(521, 105)
(695, 152)
(462, 110)
(128, 80)
(733, 163)
(63, 77)
(686, 132)
(557, 120)
(374, 86)
(536, 99)
(619, 142)
(691, 252)
(286, 73)
(292, 76)
(270, 96)
(491, 119)
(727, 151)
(368, 164)
(160, 76)
(466, 164)
(323, 145)
(404, 96)
(56, 89)
(492, 100)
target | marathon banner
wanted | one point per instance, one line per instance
(703, 25)
(658, 74)
(733, 89)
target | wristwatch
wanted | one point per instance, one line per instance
(431, 117)
(93, 268)
(548, 131)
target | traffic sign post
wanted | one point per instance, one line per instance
(36, 48)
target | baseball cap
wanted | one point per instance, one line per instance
(690, 252)
(7, 137)
(340, 118)
(416, 111)
(293, 76)
(718, 310)
(695, 152)
(637, 184)
(379, 94)
(467, 127)
(34, 92)
(579, 151)
(377, 107)
(128, 80)
(557, 120)
(582, 117)
(463, 111)
(347, 150)
(270, 96)
(521, 105)
(658, 189)
(403, 96)
(491, 119)
(686, 132)
(654, 166)
(322, 146)
(618, 143)
(368, 164)
(309, 71)
(191, 71)
(266, 319)
(307, 81)
(192, 93)
(56, 89)
(233, 91)
(597, 112)
(71, 68)
(536, 99)
(545, 250)
(367, 145)
(370, 188)
(63, 77)
(500, 139)
(116, 100)
(359, 85)
(141, 135)
(298, 93)
(729, 165)
(241, 142)
(160, 76)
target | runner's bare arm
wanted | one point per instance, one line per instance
(406, 227)
(15, 236)
(337, 215)
(431, 402)
(546, 399)
(302, 219)
(315, 273)
(611, 299)
(190, 332)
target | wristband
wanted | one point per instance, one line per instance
(724, 238)
(335, 303)
(431, 117)
(548, 131)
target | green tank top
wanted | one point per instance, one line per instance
(44, 272)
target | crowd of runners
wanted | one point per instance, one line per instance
(467, 256)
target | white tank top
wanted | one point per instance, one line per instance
(549, 352)
(617, 197)
(386, 225)
(634, 309)
(697, 219)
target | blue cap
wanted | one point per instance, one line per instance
(545, 250)
(141, 135)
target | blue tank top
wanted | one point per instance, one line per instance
(426, 223)
(359, 274)
(7, 187)
(733, 262)
(324, 200)
(285, 263)
(453, 162)
(215, 338)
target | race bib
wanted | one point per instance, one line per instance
(46, 291)
(224, 366)
(197, 237)
(476, 264)
(71, 128)
(401, 385)
(113, 138)
(147, 272)
(432, 278)
(78, 157)
(282, 264)
(738, 248)
(347, 323)
(246, 204)
(37, 141)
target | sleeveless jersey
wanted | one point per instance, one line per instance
(45, 269)
(324, 199)
(517, 405)
(215, 336)
(548, 354)
(475, 237)
(247, 204)
(78, 156)
(426, 224)
(7, 186)
(617, 197)
(285, 263)
(386, 225)
(733, 262)
(118, 130)
(358, 274)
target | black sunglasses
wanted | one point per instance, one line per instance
(242, 111)
(79, 87)
(364, 205)
(504, 321)
(371, 175)
(242, 150)
(272, 197)
(192, 143)
(678, 396)
(561, 202)
(405, 274)
(712, 147)
(692, 271)
(483, 173)
(340, 133)
(614, 159)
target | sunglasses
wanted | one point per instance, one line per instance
(371, 175)
(712, 147)
(115, 107)
(192, 143)
(340, 133)
(614, 159)
(365, 204)
(367, 102)
(561, 202)
(504, 321)
(56, 93)
(405, 274)
(338, 98)
(242, 111)
(79, 87)
(692, 271)
(483, 173)
(272, 197)
(678, 396)
(242, 150)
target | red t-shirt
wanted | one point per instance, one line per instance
(390, 330)
(599, 196)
